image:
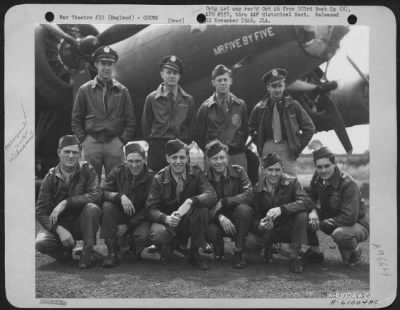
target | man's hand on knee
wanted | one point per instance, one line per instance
(127, 205)
(227, 225)
(65, 237)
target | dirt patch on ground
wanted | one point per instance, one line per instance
(149, 278)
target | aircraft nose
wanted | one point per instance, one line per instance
(320, 40)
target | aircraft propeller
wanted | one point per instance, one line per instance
(88, 44)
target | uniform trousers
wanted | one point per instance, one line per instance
(84, 227)
(282, 148)
(346, 237)
(193, 224)
(241, 217)
(113, 215)
(294, 231)
(98, 154)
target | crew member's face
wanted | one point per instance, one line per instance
(178, 161)
(222, 83)
(69, 156)
(104, 69)
(276, 90)
(135, 163)
(325, 168)
(273, 173)
(219, 162)
(170, 77)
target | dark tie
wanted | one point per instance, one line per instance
(107, 90)
(276, 124)
(179, 187)
(171, 98)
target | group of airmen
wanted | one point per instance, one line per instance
(161, 203)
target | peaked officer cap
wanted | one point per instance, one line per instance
(274, 75)
(105, 53)
(172, 62)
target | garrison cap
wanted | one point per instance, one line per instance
(322, 152)
(274, 75)
(174, 146)
(135, 148)
(172, 62)
(105, 53)
(220, 70)
(214, 147)
(68, 140)
(271, 159)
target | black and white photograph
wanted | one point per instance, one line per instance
(205, 164)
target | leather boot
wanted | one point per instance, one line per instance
(86, 260)
(111, 259)
(196, 260)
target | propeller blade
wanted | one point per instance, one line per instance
(118, 33)
(336, 121)
(58, 31)
(301, 86)
(363, 76)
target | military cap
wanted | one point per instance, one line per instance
(174, 146)
(274, 75)
(322, 152)
(220, 70)
(133, 147)
(105, 53)
(271, 159)
(214, 147)
(172, 62)
(68, 140)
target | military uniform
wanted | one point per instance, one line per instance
(296, 127)
(291, 225)
(82, 214)
(103, 118)
(341, 211)
(162, 201)
(136, 188)
(167, 116)
(236, 195)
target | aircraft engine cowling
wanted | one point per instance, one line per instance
(55, 61)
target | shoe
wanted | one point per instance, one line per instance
(86, 260)
(219, 252)
(312, 257)
(238, 260)
(268, 255)
(196, 260)
(133, 254)
(153, 249)
(208, 249)
(111, 259)
(166, 254)
(296, 265)
(355, 257)
(64, 256)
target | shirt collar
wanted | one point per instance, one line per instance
(168, 174)
(161, 92)
(213, 99)
(59, 174)
(100, 83)
(334, 180)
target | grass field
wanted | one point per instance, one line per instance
(149, 278)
